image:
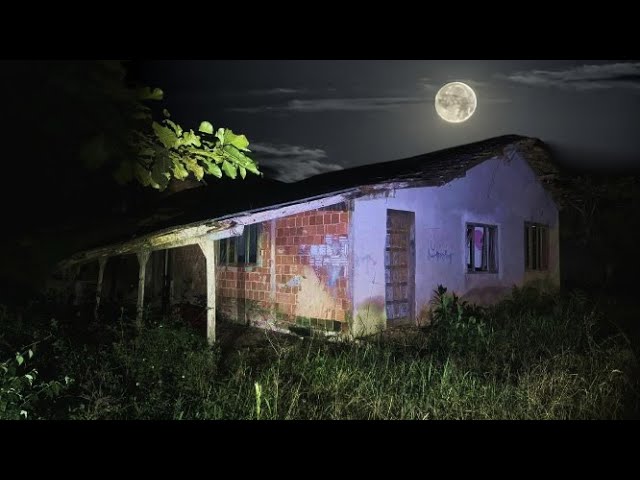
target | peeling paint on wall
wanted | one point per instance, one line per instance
(295, 281)
(332, 256)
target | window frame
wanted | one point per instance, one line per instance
(236, 242)
(490, 232)
(536, 258)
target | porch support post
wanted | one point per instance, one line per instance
(143, 257)
(75, 275)
(102, 262)
(207, 247)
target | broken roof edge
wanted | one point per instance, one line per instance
(191, 233)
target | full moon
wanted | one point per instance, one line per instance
(456, 102)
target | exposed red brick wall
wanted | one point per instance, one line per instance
(311, 269)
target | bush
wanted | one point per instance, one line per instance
(539, 354)
(22, 390)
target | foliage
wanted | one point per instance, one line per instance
(457, 325)
(91, 115)
(539, 354)
(160, 151)
(22, 390)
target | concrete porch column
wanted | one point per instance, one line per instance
(102, 262)
(143, 258)
(208, 249)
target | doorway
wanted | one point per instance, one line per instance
(399, 267)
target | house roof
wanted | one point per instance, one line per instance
(226, 198)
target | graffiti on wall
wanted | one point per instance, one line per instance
(438, 246)
(330, 257)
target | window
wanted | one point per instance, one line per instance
(241, 250)
(536, 246)
(481, 248)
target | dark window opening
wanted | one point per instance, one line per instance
(481, 248)
(241, 250)
(536, 246)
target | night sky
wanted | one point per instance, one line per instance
(312, 116)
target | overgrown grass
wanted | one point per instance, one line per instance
(537, 355)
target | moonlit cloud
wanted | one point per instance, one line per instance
(290, 163)
(493, 100)
(427, 84)
(276, 91)
(584, 77)
(337, 105)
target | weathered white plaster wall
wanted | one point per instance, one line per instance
(499, 192)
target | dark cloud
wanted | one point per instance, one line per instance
(276, 91)
(584, 77)
(337, 105)
(290, 163)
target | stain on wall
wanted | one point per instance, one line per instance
(370, 317)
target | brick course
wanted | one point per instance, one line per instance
(311, 269)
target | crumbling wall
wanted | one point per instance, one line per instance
(307, 284)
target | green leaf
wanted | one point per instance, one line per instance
(30, 353)
(243, 172)
(176, 128)
(147, 152)
(240, 158)
(193, 166)
(142, 174)
(212, 169)
(189, 138)
(19, 359)
(160, 172)
(178, 170)
(214, 155)
(206, 127)
(166, 113)
(147, 94)
(220, 135)
(229, 169)
(166, 136)
(238, 141)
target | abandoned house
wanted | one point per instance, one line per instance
(350, 252)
